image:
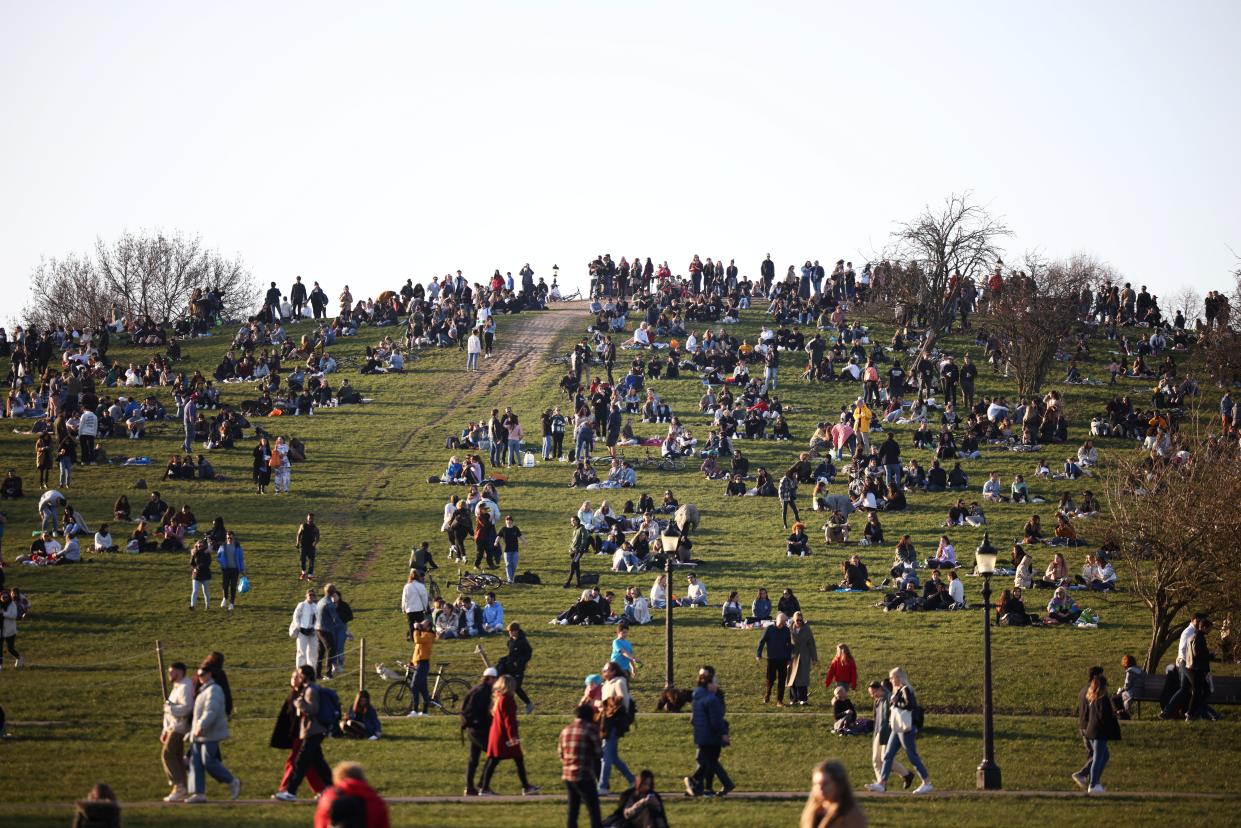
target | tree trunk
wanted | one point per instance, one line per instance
(1161, 639)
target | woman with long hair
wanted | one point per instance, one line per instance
(1097, 719)
(831, 803)
(503, 742)
(904, 730)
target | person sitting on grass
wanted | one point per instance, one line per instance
(993, 489)
(760, 609)
(1098, 574)
(103, 540)
(1019, 491)
(843, 711)
(695, 593)
(945, 555)
(798, 542)
(361, 719)
(1062, 609)
(856, 576)
(836, 530)
(1010, 610)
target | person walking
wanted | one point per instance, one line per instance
(414, 601)
(503, 740)
(710, 737)
(1097, 720)
(579, 753)
(66, 455)
(287, 736)
(1082, 776)
(476, 723)
(178, 708)
(616, 709)
(200, 573)
(831, 803)
(312, 731)
(904, 729)
(1198, 662)
(579, 545)
(232, 562)
(209, 727)
(302, 629)
(308, 546)
(515, 663)
(12, 607)
(778, 641)
(88, 432)
(473, 348)
(805, 656)
(881, 694)
(788, 497)
(189, 418)
(326, 622)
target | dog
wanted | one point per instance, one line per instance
(672, 700)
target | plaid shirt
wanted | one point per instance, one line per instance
(580, 751)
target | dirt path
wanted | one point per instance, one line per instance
(522, 343)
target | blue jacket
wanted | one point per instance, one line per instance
(761, 608)
(779, 643)
(710, 727)
(239, 557)
(370, 720)
(326, 619)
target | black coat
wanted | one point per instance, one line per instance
(1100, 720)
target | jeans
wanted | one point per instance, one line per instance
(709, 768)
(510, 565)
(547, 447)
(611, 759)
(893, 473)
(421, 670)
(582, 791)
(1182, 695)
(895, 742)
(66, 471)
(1098, 759)
(769, 376)
(514, 452)
(228, 583)
(195, 586)
(497, 452)
(327, 651)
(471, 362)
(188, 442)
(877, 750)
(582, 449)
(205, 756)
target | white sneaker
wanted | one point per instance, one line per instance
(195, 799)
(925, 787)
(224, 602)
(178, 795)
(230, 605)
(414, 714)
(877, 787)
(1097, 789)
(284, 796)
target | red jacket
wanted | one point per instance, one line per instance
(376, 808)
(841, 670)
(504, 730)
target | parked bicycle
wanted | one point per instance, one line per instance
(471, 582)
(446, 693)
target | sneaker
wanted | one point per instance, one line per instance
(301, 577)
(1096, 789)
(909, 781)
(234, 788)
(877, 787)
(195, 799)
(284, 796)
(689, 787)
(470, 792)
(925, 787)
(178, 795)
(533, 790)
(726, 790)
(230, 606)
(374, 738)
(487, 792)
(604, 792)
(1082, 781)
(224, 602)
(529, 708)
(414, 714)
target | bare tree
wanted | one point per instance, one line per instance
(142, 274)
(67, 291)
(1173, 527)
(1189, 302)
(935, 252)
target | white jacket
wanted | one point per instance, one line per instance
(414, 597)
(88, 424)
(303, 618)
(10, 619)
(210, 717)
(179, 706)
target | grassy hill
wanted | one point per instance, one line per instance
(87, 708)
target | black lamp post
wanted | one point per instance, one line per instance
(669, 683)
(988, 771)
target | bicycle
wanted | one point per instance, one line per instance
(470, 582)
(446, 694)
(651, 461)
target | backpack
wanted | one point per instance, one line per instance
(919, 716)
(528, 577)
(329, 710)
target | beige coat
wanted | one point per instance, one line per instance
(805, 653)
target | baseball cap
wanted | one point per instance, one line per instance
(491, 672)
(594, 678)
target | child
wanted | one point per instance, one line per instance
(622, 651)
(593, 694)
(842, 706)
(1043, 469)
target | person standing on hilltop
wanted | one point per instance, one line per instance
(318, 302)
(297, 295)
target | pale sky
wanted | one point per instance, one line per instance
(369, 143)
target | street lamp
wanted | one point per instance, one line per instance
(670, 543)
(988, 771)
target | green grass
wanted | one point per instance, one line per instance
(93, 690)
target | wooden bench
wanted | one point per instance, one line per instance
(1149, 688)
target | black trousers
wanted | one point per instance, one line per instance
(489, 770)
(308, 561)
(575, 570)
(709, 768)
(228, 583)
(10, 641)
(88, 448)
(478, 749)
(778, 674)
(784, 511)
(557, 443)
(518, 678)
(309, 755)
(583, 792)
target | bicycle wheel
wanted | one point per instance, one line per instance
(488, 581)
(468, 584)
(450, 694)
(398, 699)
